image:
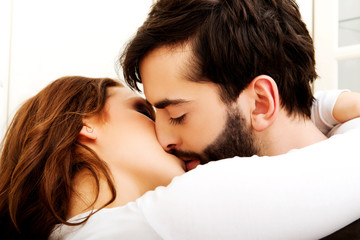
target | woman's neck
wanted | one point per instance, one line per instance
(129, 187)
(86, 197)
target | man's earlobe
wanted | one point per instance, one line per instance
(266, 102)
(87, 132)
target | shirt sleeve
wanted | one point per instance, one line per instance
(322, 109)
(307, 193)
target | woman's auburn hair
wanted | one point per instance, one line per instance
(41, 155)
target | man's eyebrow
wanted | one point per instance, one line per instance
(167, 102)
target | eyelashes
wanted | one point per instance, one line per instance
(177, 121)
(145, 109)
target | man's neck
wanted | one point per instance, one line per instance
(289, 133)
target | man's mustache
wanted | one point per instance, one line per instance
(185, 156)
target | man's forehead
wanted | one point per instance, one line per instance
(168, 51)
(163, 74)
(179, 58)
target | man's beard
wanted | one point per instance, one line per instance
(235, 140)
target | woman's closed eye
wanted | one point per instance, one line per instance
(146, 109)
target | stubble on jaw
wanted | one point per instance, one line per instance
(235, 140)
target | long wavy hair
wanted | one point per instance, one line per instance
(41, 155)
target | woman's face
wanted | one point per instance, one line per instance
(126, 138)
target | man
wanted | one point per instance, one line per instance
(228, 78)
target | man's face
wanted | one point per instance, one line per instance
(192, 121)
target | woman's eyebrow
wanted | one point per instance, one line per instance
(142, 100)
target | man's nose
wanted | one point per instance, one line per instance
(167, 136)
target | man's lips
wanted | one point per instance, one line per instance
(191, 159)
(191, 164)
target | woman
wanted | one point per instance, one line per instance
(68, 150)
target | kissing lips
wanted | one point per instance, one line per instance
(191, 159)
(191, 164)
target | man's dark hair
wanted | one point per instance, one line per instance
(232, 41)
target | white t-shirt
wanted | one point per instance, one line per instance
(304, 194)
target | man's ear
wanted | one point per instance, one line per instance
(87, 132)
(265, 102)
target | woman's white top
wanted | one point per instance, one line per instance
(322, 110)
(307, 193)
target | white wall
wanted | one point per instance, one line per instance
(306, 9)
(334, 62)
(54, 38)
(5, 23)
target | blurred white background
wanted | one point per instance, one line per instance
(42, 40)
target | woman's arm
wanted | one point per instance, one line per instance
(347, 106)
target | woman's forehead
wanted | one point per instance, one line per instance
(122, 96)
(121, 92)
